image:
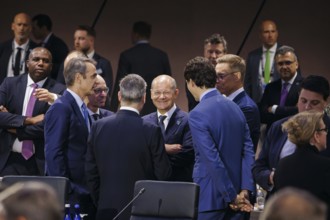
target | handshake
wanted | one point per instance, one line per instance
(241, 202)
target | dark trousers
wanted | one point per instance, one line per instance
(18, 165)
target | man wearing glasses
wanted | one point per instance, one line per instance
(281, 96)
(97, 100)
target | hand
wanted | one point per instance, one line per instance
(173, 148)
(34, 120)
(3, 108)
(271, 177)
(242, 203)
(44, 95)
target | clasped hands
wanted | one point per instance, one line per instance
(241, 202)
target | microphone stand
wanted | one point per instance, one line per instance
(135, 197)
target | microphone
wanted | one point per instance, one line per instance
(135, 197)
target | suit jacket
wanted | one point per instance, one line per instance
(269, 156)
(136, 152)
(223, 151)
(251, 81)
(178, 132)
(251, 113)
(66, 136)
(272, 96)
(59, 51)
(307, 170)
(105, 113)
(12, 93)
(146, 61)
(6, 49)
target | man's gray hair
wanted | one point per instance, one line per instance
(132, 88)
(74, 66)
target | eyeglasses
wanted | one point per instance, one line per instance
(222, 76)
(323, 129)
(159, 93)
(100, 90)
(287, 63)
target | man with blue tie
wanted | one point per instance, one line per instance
(67, 126)
(223, 147)
(174, 125)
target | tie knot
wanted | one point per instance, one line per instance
(162, 118)
(285, 85)
(96, 116)
(34, 85)
(19, 49)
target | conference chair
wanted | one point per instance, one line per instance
(165, 200)
(60, 184)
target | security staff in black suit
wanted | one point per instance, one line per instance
(42, 31)
(142, 59)
(14, 53)
(16, 126)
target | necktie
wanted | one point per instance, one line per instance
(85, 114)
(267, 68)
(284, 93)
(96, 117)
(27, 146)
(17, 66)
(161, 123)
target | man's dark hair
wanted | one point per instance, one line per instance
(285, 49)
(90, 31)
(142, 28)
(216, 39)
(201, 71)
(317, 84)
(43, 20)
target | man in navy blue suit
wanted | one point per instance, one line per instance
(142, 59)
(42, 31)
(175, 127)
(16, 125)
(223, 147)
(96, 101)
(230, 77)
(15, 52)
(313, 96)
(122, 149)
(67, 126)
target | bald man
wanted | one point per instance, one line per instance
(15, 52)
(255, 80)
(97, 100)
(176, 132)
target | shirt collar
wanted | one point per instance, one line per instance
(129, 109)
(206, 92)
(76, 97)
(272, 49)
(47, 38)
(23, 46)
(40, 83)
(234, 94)
(169, 113)
(291, 80)
(91, 54)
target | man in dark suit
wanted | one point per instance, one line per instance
(18, 127)
(281, 96)
(175, 128)
(313, 96)
(42, 31)
(215, 46)
(14, 53)
(136, 152)
(67, 126)
(142, 59)
(256, 65)
(230, 77)
(96, 101)
(223, 147)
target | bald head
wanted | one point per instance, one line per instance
(21, 27)
(268, 33)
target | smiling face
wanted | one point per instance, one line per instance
(39, 64)
(164, 93)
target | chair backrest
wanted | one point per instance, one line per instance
(165, 200)
(60, 184)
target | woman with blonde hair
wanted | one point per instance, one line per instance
(306, 168)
